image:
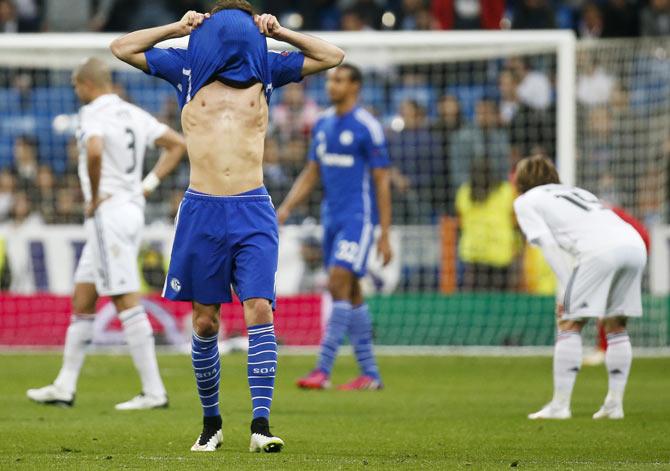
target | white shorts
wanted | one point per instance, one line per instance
(109, 258)
(606, 285)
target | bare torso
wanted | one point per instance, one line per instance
(225, 133)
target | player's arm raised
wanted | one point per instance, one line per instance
(382, 179)
(320, 55)
(301, 189)
(131, 47)
(94, 149)
(173, 147)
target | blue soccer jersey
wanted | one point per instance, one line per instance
(226, 47)
(347, 149)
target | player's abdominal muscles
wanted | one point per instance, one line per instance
(225, 132)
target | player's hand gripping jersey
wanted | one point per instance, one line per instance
(226, 47)
(347, 149)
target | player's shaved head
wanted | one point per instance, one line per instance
(95, 71)
(233, 5)
(535, 171)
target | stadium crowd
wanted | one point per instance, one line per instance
(454, 130)
(589, 18)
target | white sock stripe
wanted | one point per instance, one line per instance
(265, 335)
(261, 407)
(216, 355)
(260, 377)
(82, 317)
(261, 397)
(264, 351)
(210, 405)
(262, 362)
(264, 343)
(266, 387)
(205, 367)
(255, 330)
(213, 338)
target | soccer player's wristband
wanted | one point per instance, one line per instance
(150, 182)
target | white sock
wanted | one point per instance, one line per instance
(618, 358)
(140, 338)
(567, 361)
(77, 339)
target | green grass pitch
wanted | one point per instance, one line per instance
(435, 413)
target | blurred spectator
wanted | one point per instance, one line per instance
(592, 24)
(29, 14)
(509, 102)
(468, 14)
(22, 212)
(44, 194)
(449, 120)
(621, 18)
(534, 87)
(594, 85)
(488, 242)
(655, 18)
(296, 114)
(7, 189)
(485, 140)
(416, 15)
(533, 14)
(67, 211)
(418, 165)
(314, 277)
(352, 21)
(9, 19)
(274, 175)
(25, 160)
(370, 11)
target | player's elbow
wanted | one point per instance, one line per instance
(335, 57)
(122, 50)
(117, 48)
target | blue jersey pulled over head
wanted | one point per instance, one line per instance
(347, 148)
(227, 47)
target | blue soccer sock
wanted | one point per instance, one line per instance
(261, 368)
(360, 335)
(335, 332)
(207, 368)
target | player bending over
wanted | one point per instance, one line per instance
(113, 136)
(604, 279)
(348, 153)
(226, 230)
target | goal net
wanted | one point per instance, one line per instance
(458, 109)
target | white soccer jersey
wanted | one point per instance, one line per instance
(127, 131)
(575, 218)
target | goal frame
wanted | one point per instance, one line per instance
(424, 46)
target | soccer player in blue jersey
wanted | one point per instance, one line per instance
(348, 153)
(226, 229)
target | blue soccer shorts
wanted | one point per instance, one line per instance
(224, 242)
(347, 244)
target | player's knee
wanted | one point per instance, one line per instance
(615, 324)
(205, 324)
(339, 287)
(83, 306)
(258, 311)
(574, 326)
